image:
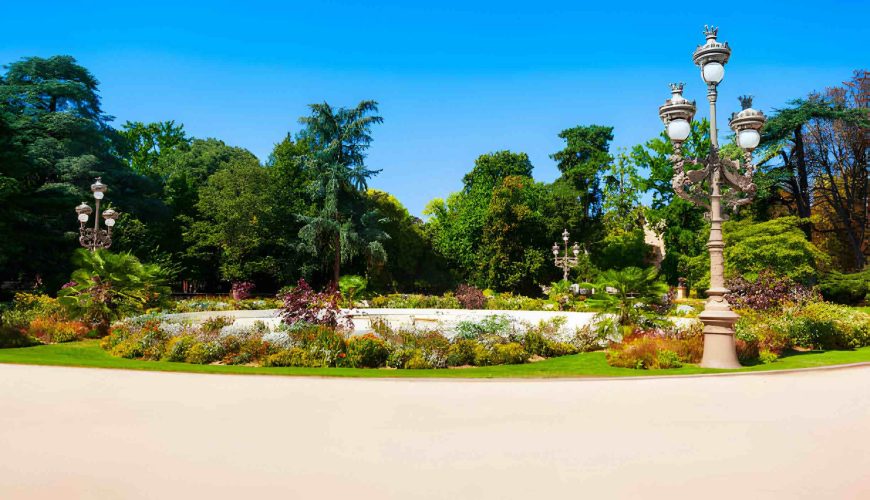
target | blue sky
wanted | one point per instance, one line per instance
(454, 79)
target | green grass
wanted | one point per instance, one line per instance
(89, 354)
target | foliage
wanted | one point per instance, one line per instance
(778, 245)
(109, 286)
(622, 189)
(633, 287)
(766, 291)
(48, 330)
(653, 349)
(367, 351)
(222, 304)
(11, 337)
(585, 155)
(352, 288)
(241, 290)
(845, 288)
(470, 297)
(344, 225)
(304, 305)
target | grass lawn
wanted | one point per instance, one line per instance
(89, 354)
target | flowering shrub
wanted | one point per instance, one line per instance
(657, 349)
(49, 330)
(367, 351)
(470, 297)
(302, 304)
(241, 290)
(767, 291)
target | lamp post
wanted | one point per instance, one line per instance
(94, 237)
(713, 173)
(565, 262)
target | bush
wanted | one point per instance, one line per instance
(289, 357)
(470, 297)
(654, 349)
(178, 347)
(767, 291)
(50, 330)
(241, 290)
(203, 353)
(367, 351)
(302, 304)
(511, 353)
(13, 337)
(845, 288)
(461, 352)
(27, 307)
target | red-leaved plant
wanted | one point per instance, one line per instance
(302, 304)
(767, 291)
(470, 297)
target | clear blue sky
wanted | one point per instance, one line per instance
(454, 79)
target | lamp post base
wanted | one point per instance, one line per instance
(720, 350)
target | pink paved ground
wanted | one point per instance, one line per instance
(86, 433)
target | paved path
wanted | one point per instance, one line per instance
(87, 433)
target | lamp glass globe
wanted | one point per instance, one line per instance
(678, 130)
(748, 139)
(713, 72)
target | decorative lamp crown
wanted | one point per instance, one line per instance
(110, 214)
(677, 107)
(748, 118)
(83, 209)
(711, 51)
(98, 186)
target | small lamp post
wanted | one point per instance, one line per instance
(713, 173)
(565, 262)
(94, 237)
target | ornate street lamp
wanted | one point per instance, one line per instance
(565, 262)
(713, 173)
(94, 237)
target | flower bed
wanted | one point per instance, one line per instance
(493, 341)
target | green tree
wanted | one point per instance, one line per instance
(632, 286)
(143, 144)
(581, 161)
(235, 220)
(343, 225)
(56, 140)
(512, 257)
(456, 225)
(622, 187)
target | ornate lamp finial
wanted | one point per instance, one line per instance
(710, 31)
(677, 88)
(745, 101)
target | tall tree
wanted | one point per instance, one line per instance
(817, 149)
(60, 140)
(144, 143)
(581, 161)
(344, 225)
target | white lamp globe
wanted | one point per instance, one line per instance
(83, 217)
(713, 72)
(748, 139)
(98, 195)
(678, 130)
(110, 222)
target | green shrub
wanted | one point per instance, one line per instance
(668, 359)
(401, 355)
(461, 352)
(418, 361)
(511, 353)
(288, 357)
(178, 347)
(554, 349)
(203, 353)
(845, 288)
(367, 351)
(767, 357)
(482, 355)
(213, 324)
(51, 330)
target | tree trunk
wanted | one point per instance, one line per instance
(802, 197)
(336, 264)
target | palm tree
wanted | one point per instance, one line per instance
(345, 225)
(632, 286)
